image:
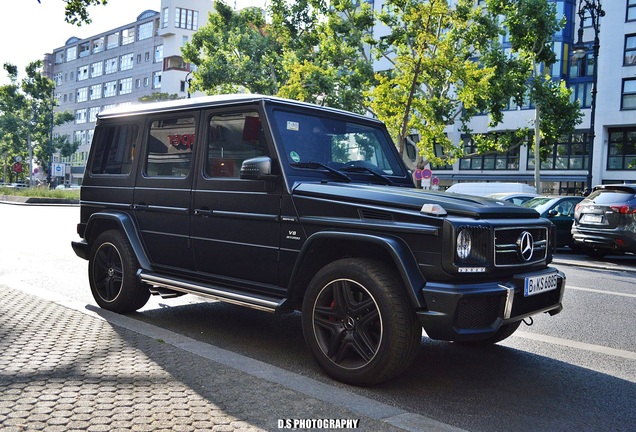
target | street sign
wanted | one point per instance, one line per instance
(59, 169)
(17, 167)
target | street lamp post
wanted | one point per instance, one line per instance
(594, 10)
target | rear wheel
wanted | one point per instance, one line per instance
(112, 269)
(358, 322)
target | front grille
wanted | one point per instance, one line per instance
(507, 250)
(478, 312)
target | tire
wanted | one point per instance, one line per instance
(504, 332)
(358, 322)
(112, 269)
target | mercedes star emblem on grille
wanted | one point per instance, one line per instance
(526, 246)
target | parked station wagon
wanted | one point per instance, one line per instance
(285, 206)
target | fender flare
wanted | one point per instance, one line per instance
(127, 226)
(400, 253)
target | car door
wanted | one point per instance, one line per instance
(162, 192)
(236, 224)
(562, 215)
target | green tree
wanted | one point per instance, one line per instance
(449, 65)
(76, 11)
(27, 116)
(305, 51)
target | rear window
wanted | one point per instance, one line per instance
(604, 196)
(114, 149)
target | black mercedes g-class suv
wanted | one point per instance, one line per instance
(284, 206)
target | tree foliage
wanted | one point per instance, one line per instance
(76, 11)
(304, 50)
(27, 111)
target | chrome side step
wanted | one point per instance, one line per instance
(267, 304)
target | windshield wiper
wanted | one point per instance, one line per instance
(358, 168)
(314, 165)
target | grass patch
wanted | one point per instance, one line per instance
(41, 192)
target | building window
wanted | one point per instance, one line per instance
(628, 95)
(112, 40)
(71, 53)
(82, 94)
(92, 114)
(137, 83)
(156, 79)
(631, 10)
(59, 57)
(500, 161)
(570, 153)
(630, 50)
(146, 82)
(622, 149)
(58, 78)
(166, 17)
(125, 86)
(111, 65)
(158, 53)
(98, 45)
(128, 36)
(175, 62)
(126, 61)
(80, 116)
(138, 58)
(84, 49)
(97, 69)
(82, 73)
(186, 19)
(110, 89)
(145, 31)
(95, 92)
(79, 137)
(582, 92)
(147, 56)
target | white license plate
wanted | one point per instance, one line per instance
(540, 284)
(592, 218)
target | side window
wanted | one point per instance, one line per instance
(114, 149)
(232, 138)
(169, 148)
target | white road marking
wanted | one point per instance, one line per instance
(568, 287)
(577, 345)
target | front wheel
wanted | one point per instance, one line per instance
(358, 322)
(112, 268)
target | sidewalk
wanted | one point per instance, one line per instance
(63, 368)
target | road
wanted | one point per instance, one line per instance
(573, 371)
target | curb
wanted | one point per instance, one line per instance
(22, 200)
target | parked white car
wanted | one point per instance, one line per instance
(484, 188)
(517, 198)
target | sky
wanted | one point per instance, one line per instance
(31, 29)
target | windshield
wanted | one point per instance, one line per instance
(337, 143)
(539, 204)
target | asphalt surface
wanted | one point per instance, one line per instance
(65, 365)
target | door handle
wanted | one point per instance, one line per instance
(205, 212)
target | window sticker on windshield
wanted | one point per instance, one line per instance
(293, 126)
(294, 156)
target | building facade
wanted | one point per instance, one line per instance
(565, 171)
(135, 60)
(118, 67)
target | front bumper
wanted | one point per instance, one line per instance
(477, 311)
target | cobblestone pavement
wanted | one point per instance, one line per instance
(62, 369)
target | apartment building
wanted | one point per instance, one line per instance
(566, 169)
(120, 66)
(134, 60)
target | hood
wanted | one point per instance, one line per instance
(414, 199)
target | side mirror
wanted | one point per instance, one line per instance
(553, 213)
(258, 168)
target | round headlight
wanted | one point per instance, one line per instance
(464, 244)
